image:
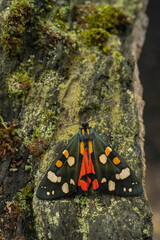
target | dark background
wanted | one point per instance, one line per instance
(149, 67)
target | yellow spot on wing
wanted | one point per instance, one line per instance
(116, 161)
(59, 163)
(108, 150)
(65, 153)
(82, 131)
(82, 147)
(90, 146)
(88, 131)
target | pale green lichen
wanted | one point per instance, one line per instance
(18, 84)
(101, 22)
(56, 219)
(129, 7)
(41, 113)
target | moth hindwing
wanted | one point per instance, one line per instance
(88, 160)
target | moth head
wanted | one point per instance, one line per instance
(85, 125)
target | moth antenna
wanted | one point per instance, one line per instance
(80, 123)
(84, 119)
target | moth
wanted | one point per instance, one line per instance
(88, 161)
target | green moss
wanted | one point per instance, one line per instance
(108, 18)
(60, 17)
(14, 24)
(19, 83)
(11, 44)
(25, 196)
(52, 35)
(28, 168)
(96, 37)
(62, 13)
(103, 21)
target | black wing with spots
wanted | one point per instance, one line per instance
(62, 177)
(113, 174)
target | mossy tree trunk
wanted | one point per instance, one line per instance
(62, 63)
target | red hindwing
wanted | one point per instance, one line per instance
(87, 170)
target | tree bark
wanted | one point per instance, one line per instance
(52, 79)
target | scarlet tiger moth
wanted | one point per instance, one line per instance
(88, 160)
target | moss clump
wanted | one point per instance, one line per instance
(96, 37)
(9, 141)
(103, 21)
(52, 35)
(38, 146)
(14, 24)
(61, 15)
(11, 44)
(9, 220)
(25, 196)
(109, 18)
(19, 84)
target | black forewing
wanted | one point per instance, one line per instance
(129, 186)
(67, 175)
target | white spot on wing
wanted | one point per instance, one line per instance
(103, 158)
(53, 192)
(117, 176)
(124, 189)
(111, 185)
(71, 161)
(103, 180)
(52, 177)
(72, 182)
(130, 189)
(124, 173)
(59, 179)
(65, 187)
(48, 193)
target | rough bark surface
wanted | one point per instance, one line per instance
(50, 81)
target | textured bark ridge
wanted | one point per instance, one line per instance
(60, 67)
